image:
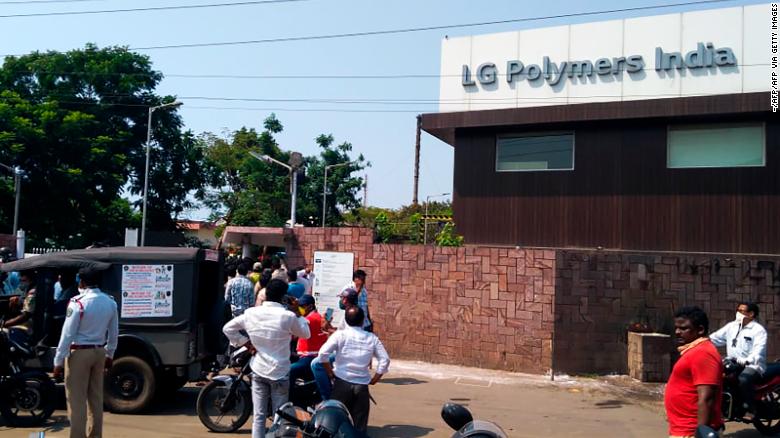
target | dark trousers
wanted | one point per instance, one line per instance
(356, 398)
(747, 384)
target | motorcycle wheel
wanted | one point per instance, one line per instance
(769, 426)
(209, 413)
(30, 400)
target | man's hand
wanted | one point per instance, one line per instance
(375, 379)
(108, 364)
(250, 347)
(59, 373)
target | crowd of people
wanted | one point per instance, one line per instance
(694, 392)
(275, 315)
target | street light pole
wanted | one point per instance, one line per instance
(17, 195)
(425, 221)
(293, 175)
(146, 171)
(17, 172)
(325, 187)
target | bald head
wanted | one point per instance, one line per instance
(354, 316)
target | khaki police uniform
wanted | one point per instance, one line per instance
(89, 336)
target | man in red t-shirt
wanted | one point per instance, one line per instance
(693, 394)
(308, 348)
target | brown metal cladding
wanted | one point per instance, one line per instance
(620, 194)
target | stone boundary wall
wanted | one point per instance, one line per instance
(526, 309)
(600, 293)
(475, 306)
(8, 240)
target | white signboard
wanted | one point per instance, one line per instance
(147, 291)
(706, 52)
(332, 271)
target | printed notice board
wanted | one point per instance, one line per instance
(332, 271)
(147, 291)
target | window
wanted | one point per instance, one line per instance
(722, 145)
(553, 151)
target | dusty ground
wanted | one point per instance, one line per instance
(410, 400)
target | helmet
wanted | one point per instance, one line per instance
(330, 415)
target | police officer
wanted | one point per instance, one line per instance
(86, 349)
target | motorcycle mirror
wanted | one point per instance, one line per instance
(455, 415)
(706, 432)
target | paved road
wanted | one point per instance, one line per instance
(411, 398)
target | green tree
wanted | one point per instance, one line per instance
(75, 122)
(251, 192)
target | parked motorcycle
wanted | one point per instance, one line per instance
(460, 419)
(331, 419)
(27, 397)
(225, 404)
(767, 398)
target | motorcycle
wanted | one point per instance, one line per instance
(27, 397)
(331, 419)
(225, 404)
(460, 419)
(767, 398)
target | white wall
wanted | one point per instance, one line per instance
(745, 30)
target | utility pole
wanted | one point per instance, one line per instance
(417, 160)
(17, 173)
(365, 191)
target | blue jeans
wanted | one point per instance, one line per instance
(262, 390)
(301, 369)
(324, 384)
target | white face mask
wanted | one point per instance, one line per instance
(740, 318)
(83, 290)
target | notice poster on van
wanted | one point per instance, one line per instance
(147, 291)
(332, 271)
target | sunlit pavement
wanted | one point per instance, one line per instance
(410, 398)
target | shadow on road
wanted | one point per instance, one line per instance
(611, 404)
(745, 433)
(403, 381)
(398, 431)
(181, 402)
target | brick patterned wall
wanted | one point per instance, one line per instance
(8, 240)
(600, 293)
(497, 307)
(476, 306)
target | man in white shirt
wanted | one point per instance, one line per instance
(745, 341)
(354, 348)
(86, 350)
(270, 328)
(306, 278)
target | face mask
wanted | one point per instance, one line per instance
(23, 287)
(302, 311)
(83, 290)
(341, 305)
(740, 318)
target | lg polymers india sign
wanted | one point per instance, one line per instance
(709, 52)
(706, 55)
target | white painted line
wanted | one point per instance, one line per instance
(458, 382)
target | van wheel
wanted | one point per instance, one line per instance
(129, 385)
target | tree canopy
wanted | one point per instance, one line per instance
(76, 124)
(248, 191)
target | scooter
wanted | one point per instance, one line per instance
(460, 419)
(225, 404)
(27, 397)
(331, 419)
(766, 402)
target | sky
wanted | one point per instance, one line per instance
(384, 133)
